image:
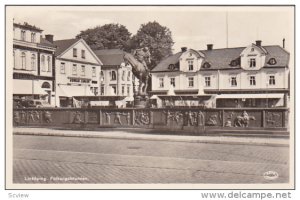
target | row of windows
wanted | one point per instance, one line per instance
(207, 81)
(113, 75)
(23, 36)
(75, 53)
(45, 62)
(251, 64)
(114, 87)
(74, 69)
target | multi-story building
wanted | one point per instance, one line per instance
(77, 71)
(33, 63)
(253, 76)
(116, 76)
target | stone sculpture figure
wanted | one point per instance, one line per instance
(140, 70)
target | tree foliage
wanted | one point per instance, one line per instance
(108, 36)
(157, 38)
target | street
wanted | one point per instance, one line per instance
(52, 159)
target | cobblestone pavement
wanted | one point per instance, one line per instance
(50, 159)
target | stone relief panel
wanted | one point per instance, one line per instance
(273, 119)
(142, 118)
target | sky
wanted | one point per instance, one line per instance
(193, 26)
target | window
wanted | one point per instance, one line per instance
(233, 81)
(172, 81)
(102, 90)
(114, 89)
(33, 62)
(161, 82)
(74, 69)
(191, 65)
(252, 80)
(49, 64)
(43, 63)
(252, 62)
(23, 60)
(74, 52)
(82, 70)
(207, 81)
(96, 90)
(32, 37)
(82, 53)
(123, 75)
(101, 76)
(94, 71)
(128, 76)
(128, 90)
(191, 81)
(62, 68)
(14, 55)
(74, 80)
(113, 76)
(272, 80)
(23, 35)
(123, 90)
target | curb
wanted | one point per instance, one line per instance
(217, 140)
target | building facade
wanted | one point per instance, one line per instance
(116, 77)
(252, 76)
(77, 72)
(33, 64)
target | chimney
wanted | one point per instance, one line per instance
(283, 43)
(49, 37)
(183, 49)
(210, 47)
(258, 43)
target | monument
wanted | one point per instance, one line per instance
(139, 60)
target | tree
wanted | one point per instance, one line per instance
(108, 36)
(157, 38)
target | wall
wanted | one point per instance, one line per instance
(195, 120)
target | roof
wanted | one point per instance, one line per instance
(164, 64)
(45, 42)
(221, 58)
(63, 45)
(28, 27)
(110, 56)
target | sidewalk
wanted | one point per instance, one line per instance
(141, 135)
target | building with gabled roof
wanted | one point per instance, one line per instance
(77, 72)
(260, 71)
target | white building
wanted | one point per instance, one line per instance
(33, 63)
(116, 76)
(77, 71)
(253, 76)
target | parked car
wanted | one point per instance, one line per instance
(28, 103)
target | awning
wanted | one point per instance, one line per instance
(185, 97)
(27, 87)
(251, 96)
(73, 90)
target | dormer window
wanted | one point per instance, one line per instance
(206, 65)
(233, 63)
(252, 62)
(171, 66)
(272, 61)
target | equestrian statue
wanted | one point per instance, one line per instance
(139, 60)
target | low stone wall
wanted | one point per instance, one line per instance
(196, 120)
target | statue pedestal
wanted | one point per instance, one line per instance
(141, 101)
